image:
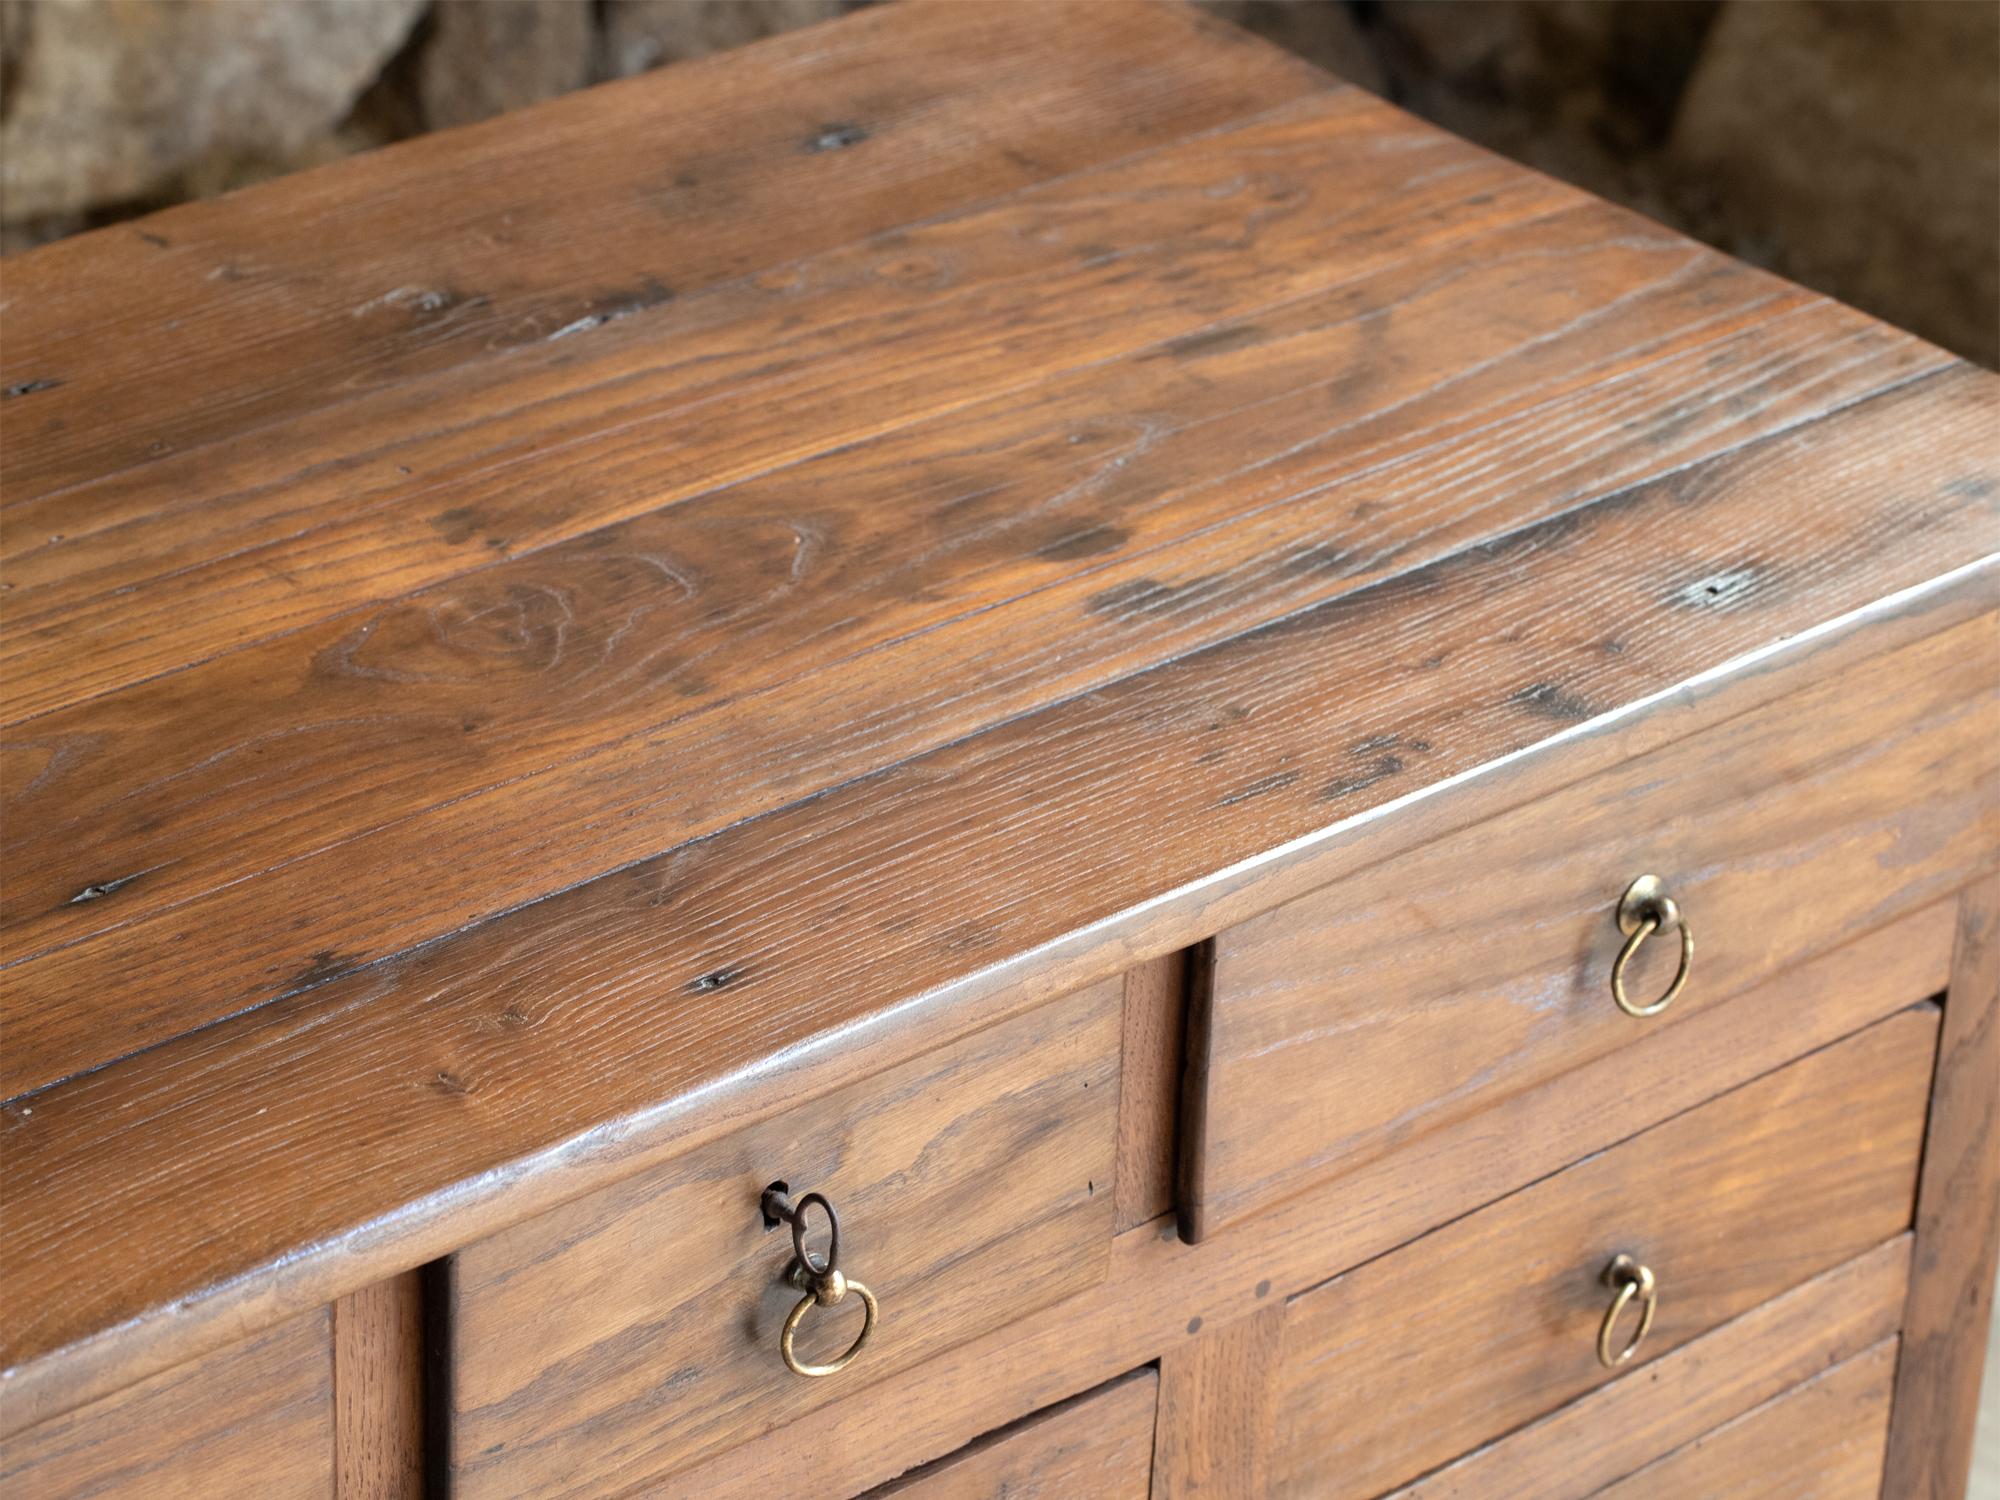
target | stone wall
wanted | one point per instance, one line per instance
(1853, 145)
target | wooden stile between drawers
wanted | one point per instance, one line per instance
(636, 1330)
(1491, 1321)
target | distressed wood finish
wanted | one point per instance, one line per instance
(1617, 1429)
(1730, 1205)
(1823, 1440)
(257, 1418)
(1343, 1026)
(1162, 1295)
(1958, 1225)
(779, 621)
(636, 1330)
(1097, 1445)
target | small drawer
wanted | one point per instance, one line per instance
(631, 1332)
(1825, 1439)
(1339, 1028)
(1099, 1444)
(1489, 1323)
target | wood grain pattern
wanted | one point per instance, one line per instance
(363, 1070)
(1618, 1428)
(1097, 1445)
(215, 318)
(634, 1331)
(257, 1418)
(1158, 1284)
(1730, 1205)
(1218, 1410)
(378, 1390)
(1149, 1086)
(1344, 1025)
(1178, 244)
(1822, 1441)
(1958, 1225)
(533, 707)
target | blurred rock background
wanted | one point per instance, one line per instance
(1853, 145)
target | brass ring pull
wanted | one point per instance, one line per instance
(1631, 1280)
(819, 1277)
(1642, 911)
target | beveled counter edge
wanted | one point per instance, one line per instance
(431, 1227)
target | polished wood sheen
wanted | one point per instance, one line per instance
(1042, 619)
(1730, 1205)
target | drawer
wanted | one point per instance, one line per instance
(1100, 1444)
(1822, 1440)
(1484, 1325)
(1341, 1027)
(635, 1330)
(253, 1419)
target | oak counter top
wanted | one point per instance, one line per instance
(527, 648)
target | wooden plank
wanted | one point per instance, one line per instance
(929, 1411)
(741, 644)
(253, 1418)
(635, 1331)
(600, 1083)
(292, 525)
(1149, 1087)
(1958, 1225)
(1823, 1440)
(1098, 1445)
(1602, 1437)
(1218, 1409)
(378, 1390)
(1730, 1205)
(1346, 1024)
(215, 318)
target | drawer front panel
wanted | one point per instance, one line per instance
(1100, 1445)
(253, 1419)
(1341, 1027)
(636, 1330)
(1398, 1366)
(1823, 1440)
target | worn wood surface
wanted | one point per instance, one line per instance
(1822, 1440)
(1942, 1359)
(378, 1390)
(1617, 1429)
(635, 1331)
(257, 1418)
(1158, 1286)
(1403, 1363)
(1217, 1409)
(1350, 1022)
(1149, 1086)
(1097, 1445)
(218, 318)
(910, 619)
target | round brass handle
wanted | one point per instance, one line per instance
(819, 1277)
(828, 1291)
(1642, 911)
(1631, 1280)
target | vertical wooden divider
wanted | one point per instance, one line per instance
(1958, 1225)
(378, 1390)
(1150, 1087)
(1213, 1432)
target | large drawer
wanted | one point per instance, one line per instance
(635, 1330)
(1413, 995)
(1410, 1360)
